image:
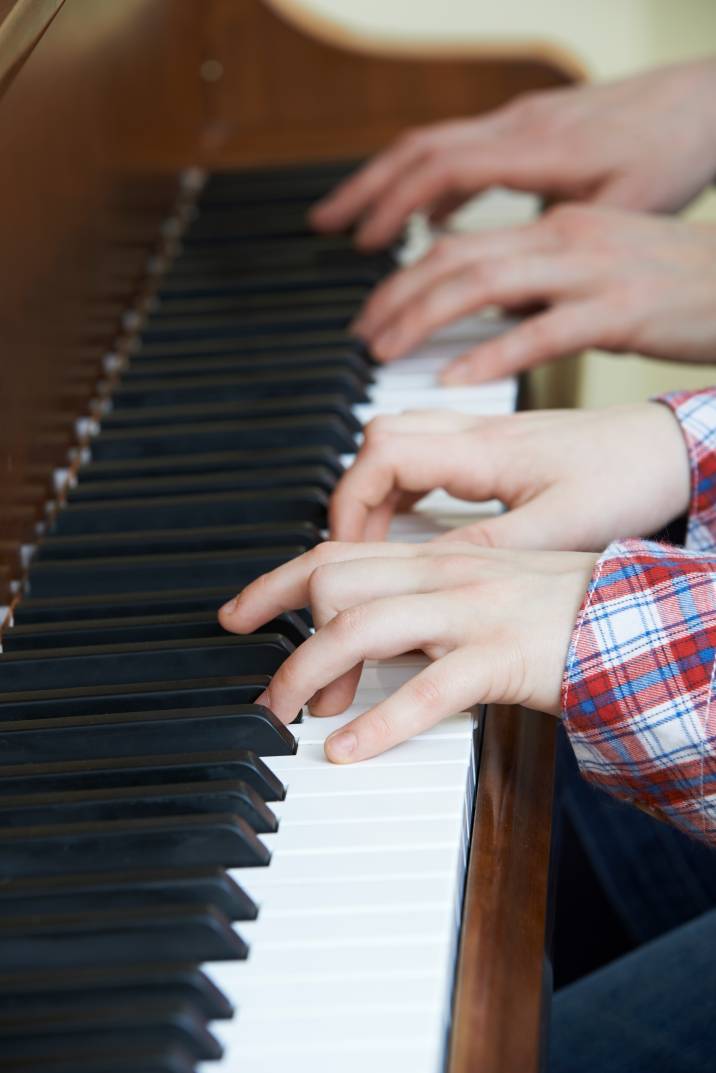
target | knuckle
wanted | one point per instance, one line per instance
(350, 622)
(426, 693)
(325, 552)
(380, 728)
(319, 582)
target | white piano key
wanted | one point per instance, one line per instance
(418, 1054)
(316, 730)
(344, 928)
(361, 894)
(337, 807)
(437, 750)
(401, 860)
(364, 834)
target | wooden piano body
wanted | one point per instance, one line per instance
(102, 102)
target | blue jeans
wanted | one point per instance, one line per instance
(652, 1011)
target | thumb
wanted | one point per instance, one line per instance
(540, 523)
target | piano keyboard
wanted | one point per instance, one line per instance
(187, 884)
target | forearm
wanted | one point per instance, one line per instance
(638, 682)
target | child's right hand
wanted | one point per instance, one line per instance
(572, 479)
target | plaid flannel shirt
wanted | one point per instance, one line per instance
(639, 678)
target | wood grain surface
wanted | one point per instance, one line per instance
(504, 977)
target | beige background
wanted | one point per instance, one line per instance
(610, 38)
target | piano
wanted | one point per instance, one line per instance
(185, 883)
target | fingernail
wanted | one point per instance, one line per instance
(230, 606)
(341, 746)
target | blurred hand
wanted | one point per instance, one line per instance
(599, 277)
(497, 625)
(574, 479)
(646, 143)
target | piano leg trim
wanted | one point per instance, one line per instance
(503, 984)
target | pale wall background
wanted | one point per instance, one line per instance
(610, 38)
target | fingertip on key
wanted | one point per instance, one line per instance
(341, 747)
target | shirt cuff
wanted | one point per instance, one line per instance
(638, 682)
(696, 413)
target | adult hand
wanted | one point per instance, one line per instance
(497, 625)
(599, 277)
(572, 479)
(646, 143)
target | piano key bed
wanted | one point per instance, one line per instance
(186, 883)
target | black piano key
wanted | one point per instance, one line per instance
(139, 628)
(286, 282)
(270, 297)
(278, 364)
(233, 410)
(212, 462)
(168, 541)
(149, 888)
(336, 316)
(167, 512)
(252, 347)
(220, 840)
(202, 483)
(127, 697)
(121, 605)
(120, 1059)
(96, 806)
(64, 668)
(324, 430)
(151, 1024)
(136, 573)
(327, 380)
(239, 764)
(28, 992)
(276, 184)
(87, 737)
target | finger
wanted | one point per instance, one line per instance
(369, 493)
(446, 255)
(463, 170)
(450, 685)
(566, 329)
(509, 284)
(379, 629)
(338, 695)
(287, 588)
(365, 495)
(623, 192)
(427, 180)
(540, 523)
(350, 199)
(421, 422)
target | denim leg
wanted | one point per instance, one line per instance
(652, 1011)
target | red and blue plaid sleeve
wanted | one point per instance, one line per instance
(696, 413)
(638, 682)
(639, 679)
